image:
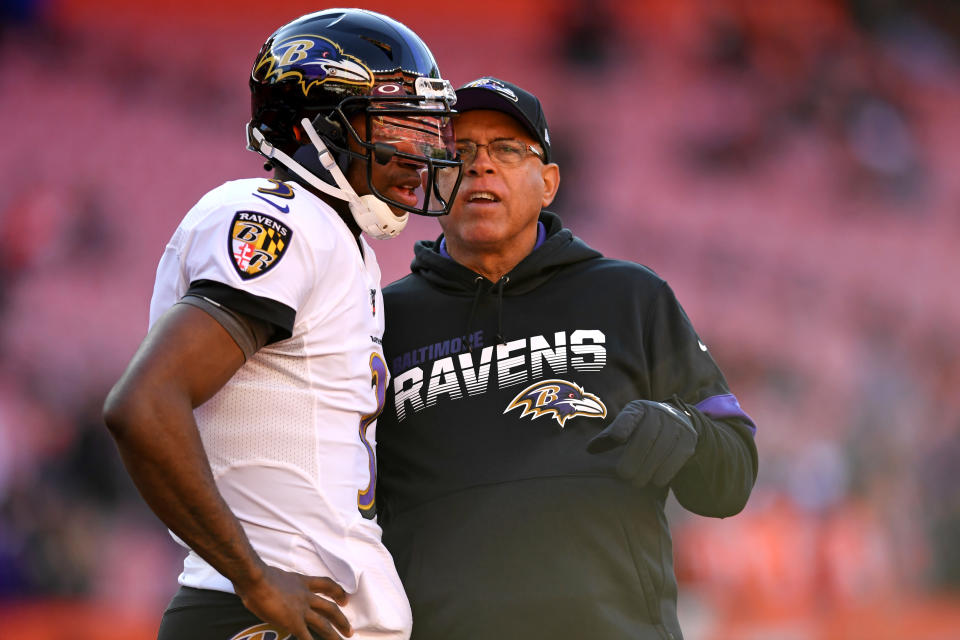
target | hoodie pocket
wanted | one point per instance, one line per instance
(649, 586)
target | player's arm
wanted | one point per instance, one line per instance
(184, 360)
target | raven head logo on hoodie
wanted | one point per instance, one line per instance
(557, 398)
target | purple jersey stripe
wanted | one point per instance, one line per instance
(725, 406)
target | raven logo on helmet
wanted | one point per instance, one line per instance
(313, 60)
(559, 399)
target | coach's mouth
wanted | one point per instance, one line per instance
(481, 197)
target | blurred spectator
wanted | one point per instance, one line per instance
(29, 225)
(20, 14)
(588, 36)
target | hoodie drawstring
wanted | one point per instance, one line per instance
(501, 283)
(473, 310)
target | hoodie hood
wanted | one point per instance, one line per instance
(560, 249)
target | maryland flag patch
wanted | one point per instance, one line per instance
(257, 242)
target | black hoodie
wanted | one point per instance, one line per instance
(500, 523)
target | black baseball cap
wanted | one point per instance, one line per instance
(500, 95)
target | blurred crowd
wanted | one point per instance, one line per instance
(790, 167)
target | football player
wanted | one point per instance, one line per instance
(247, 417)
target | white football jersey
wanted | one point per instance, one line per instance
(291, 437)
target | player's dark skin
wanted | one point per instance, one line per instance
(184, 360)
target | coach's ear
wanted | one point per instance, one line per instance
(550, 173)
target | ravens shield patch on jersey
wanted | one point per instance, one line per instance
(257, 242)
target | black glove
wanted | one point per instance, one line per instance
(657, 441)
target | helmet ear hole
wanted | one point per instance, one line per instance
(324, 127)
(327, 127)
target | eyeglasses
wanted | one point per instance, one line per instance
(503, 151)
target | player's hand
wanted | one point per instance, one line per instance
(291, 601)
(657, 440)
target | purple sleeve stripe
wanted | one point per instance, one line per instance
(725, 406)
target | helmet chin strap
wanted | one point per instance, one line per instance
(372, 215)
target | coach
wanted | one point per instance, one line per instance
(544, 401)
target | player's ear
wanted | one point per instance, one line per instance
(551, 182)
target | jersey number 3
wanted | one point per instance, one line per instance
(366, 497)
